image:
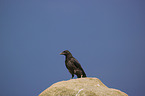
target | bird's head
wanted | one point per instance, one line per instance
(65, 52)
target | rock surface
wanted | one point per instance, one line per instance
(81, 87)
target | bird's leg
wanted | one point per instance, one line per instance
(72, 76)
(81, 76)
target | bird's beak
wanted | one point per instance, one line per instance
(61, 53)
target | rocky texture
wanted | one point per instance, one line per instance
(81, 87)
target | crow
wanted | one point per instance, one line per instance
(73, 65)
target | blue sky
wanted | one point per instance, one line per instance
(106, 36)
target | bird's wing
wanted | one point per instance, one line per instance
(78, 66)
(76, 63)
(70, 65)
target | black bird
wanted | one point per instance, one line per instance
(73, 65)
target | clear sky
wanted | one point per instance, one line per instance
(106, 36)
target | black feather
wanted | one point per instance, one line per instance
(73, 65)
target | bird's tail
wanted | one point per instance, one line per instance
(84, 74)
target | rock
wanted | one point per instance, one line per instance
(81, 87)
